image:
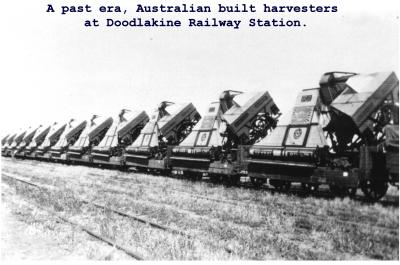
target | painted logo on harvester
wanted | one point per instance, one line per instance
(297, 133)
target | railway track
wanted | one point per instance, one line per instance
(124, 214)
(227, 249)
(293, 191)
(247, 185)
(326, 194)
(85, 229)
(232, 202)
(303, 211)
(115, 211)
(107, 208)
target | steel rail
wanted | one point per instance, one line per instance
(128, 215)
(81, 227)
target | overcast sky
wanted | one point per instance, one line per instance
(54, 69)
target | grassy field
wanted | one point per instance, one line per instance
(225, 222)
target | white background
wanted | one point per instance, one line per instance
(54, 69)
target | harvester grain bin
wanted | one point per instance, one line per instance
(169, 125)
(70, 135)
(5, 147)
(37, 140)
(19, 149)
(123, 132)
(93, 134)
(51, 139)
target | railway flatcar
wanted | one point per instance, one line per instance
(212, 148)
(169, 125)
(335, 137)
(123, 132)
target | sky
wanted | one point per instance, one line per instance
(54, 69)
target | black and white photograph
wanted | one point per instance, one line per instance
(199, 130)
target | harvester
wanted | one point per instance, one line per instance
(125, 129)
(70, 135)
(12, 145)
(213, 147)
(4, 140)
(168, 126)
(337, 135)
(7, 144)
(96, 129)
(37, 140)
(18, 150)
(51, 139)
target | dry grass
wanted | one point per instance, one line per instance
(245, 224)
(36, 235)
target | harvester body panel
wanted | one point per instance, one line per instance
(19, 150)
(51, 139)
(205, 133)
(125, 129)
(37, 140)
(304, 129)
(18, 139)
(4, 140)
(68, 137)
(239, 117)
(7, 145)
(168, 126)
(91, 136)
(367, 94)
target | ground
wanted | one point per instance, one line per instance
(223, 223)
(30, 234)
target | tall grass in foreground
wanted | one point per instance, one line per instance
(261, 225)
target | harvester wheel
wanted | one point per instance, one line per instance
(309, 187)
(280, 185)
(374, 189)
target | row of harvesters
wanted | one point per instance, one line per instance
(343, 134)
